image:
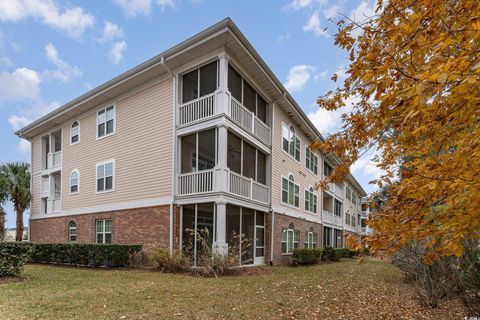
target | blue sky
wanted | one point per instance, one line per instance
(53, 51)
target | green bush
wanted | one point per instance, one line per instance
(345, 253)
(330, 254)
(86, 254)
(306, 256)
(13, 256)
(468, 277)
(165, 262)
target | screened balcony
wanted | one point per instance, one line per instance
(52, 151)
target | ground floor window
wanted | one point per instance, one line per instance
(290, 238)
(310, 239)
(104, 231)
(337, 238)
(327, 237)
(72, 231)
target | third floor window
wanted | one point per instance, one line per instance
(199, 82)
(106, 122)
(290, 142)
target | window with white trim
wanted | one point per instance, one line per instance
(354, 198)
(290, 239)
(311, 160)
(74, 181)
(105, 176)
(72, 231)
(290, 142)
(310, 239)
(348, 193)
(103, 231)
(290, 191)
(337, 208)
(310, 200)
(327, 170)
(347, 218)
(106, 122)
(75, 132)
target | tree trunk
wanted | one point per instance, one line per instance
(19, 231)
(2, 224)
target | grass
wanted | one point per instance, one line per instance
(343, 290)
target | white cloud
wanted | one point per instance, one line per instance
(111, 31)
(73, 20)
(367, 167)
(132, 8)
(313, 25)
(22, 84)
(298, 76)
(166, 3)
(321, 76)
(328, 122)
(302, 4)
(362, 14)
(18, 122)
(4, 59)
(65, 72)
(284, 37)
(331, 12)
(24, 146)
(117, 52)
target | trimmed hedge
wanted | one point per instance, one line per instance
(13, 256)
(313, 256)
(86, 254)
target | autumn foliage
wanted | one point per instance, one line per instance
(415, 72)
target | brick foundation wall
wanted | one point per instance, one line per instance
(283, 221)
(148, 226)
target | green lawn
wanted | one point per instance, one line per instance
(343, 290)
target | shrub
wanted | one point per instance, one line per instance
(86, 254)
(469, 277)
(345, 253)
(330, 254)
(306, 256)
(165, 262)
(13, 256)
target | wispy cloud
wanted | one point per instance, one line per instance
(111, 31)
(133, 8)
(72, 20)
(284, 37)
(117, 52)
(298, 76)
(314, 25)
(64, 71)
(21, 84)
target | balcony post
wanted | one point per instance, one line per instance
(221, 170)
(223, 96)
(220, 246)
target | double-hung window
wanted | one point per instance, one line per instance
(75, 132)
(74, 181)
(105, 176)
(311, 160)
(104, 231)
(354, 198)
(290, 191)
(310, 240)
(348, 193)
(310, 200)
(72, 231)
(290, 142)
(290, 239)
(337, 208)
(347, 218)
(106, 122)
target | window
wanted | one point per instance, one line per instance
(290, 239)
(310, 200)
(246, 95)
(337, 238)
(72, 231)
(75, 132)
(354, 198)
(199, 82)
(105, 173)
(106, 122)
(74, 181)
(104, 231)
(290, 191)
(337, 208)
(347, 218)
(348, 193)
(290, 142)
(327, 237)
(198, 151)
(327, 170)
(310, 239)
(311, 160)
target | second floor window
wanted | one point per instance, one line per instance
(290, 191)
(245, 159)
(74, 181)
(327, 170)
(310, 200)
(75, 132)
(199, 82)
(290, 142)
(106, 122)
(337, 208)
(311, 160)
(105, 173)
(197, 151)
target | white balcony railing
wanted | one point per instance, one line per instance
(45, 186)
(364, 229)
(197, 109)
(195, 182)
(247, 188)
(327, 216)
(55, 160)
(248, 120)
(338, 221)
(54, 205)
(338, 191)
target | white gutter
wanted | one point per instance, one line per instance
(271, 237)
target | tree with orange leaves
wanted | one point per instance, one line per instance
(415, 72)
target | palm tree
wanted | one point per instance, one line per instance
(15, 183)
(3, 199)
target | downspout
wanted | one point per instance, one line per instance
(271, 238)
(171, 224)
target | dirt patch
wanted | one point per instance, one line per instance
(6, 280)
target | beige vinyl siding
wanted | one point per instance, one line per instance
(283, 164)
(141, 147)
(36, 177)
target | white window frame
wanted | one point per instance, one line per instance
(310, 240)
(70, 229)
(289, 128)
(291, 232)
(70, 181)
(288, 191)
(309, 206)
(103, 163)
(313, 164)
(114, 106)
(78, 133)
(103, 232)
(348, 193)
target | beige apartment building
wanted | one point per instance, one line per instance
(202, 136)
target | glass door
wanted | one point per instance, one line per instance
(259, 238)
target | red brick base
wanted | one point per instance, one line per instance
(148, 226)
